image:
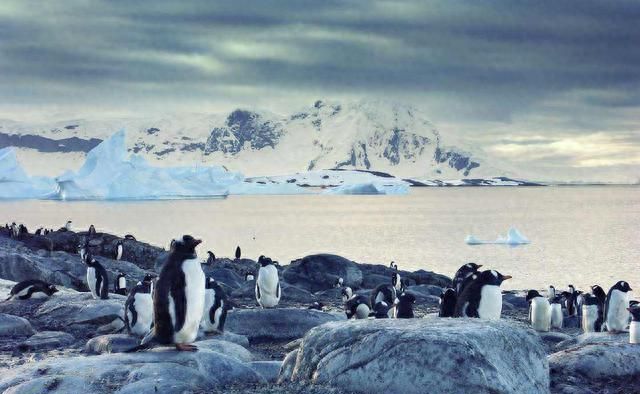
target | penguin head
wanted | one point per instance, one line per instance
(381, 310)
(147, 278)
(210, 283)
(187, 244)
(572, 289)
(52, 289)
(556, 300)
(265, 261)
(598, 291)
(210, 253)
(590, 300)
(492, 277)
(406, 299)
(622, 286)
(473, 266)
(121, 275)
(347, 293)
(635, 312)
(447, 293)
(532, 294)
(119, 242)
(339, 282)
(633, 303)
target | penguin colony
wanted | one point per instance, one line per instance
(170, 309)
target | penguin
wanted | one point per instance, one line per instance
(380, 310)
(39, 231)
(67, 226)
(178, 299)
(15, 231)
(97, 278)
(120, 284)
(396, 281)
(357, 306)
(316, 305)
(463, 273)
(138, 316)
(268, 290)
(447, 305)
(216, 306)
(119, 251)
(393, 265)
(238, 253)
(634, 327)
(616, 315)
(83, 250)
(405, 306)
(557, 316)
(569, 302)
(346, 294)
(149, 281)
(571, 288)
(129, 237)
(482, 297)
(579, 302)
(592, 314)
(386, 293)
(339, 283)
(539, 311)
(211, 259)
(92, 230)
(32, 288)
(551, 292)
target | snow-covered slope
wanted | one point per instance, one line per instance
(370, 135)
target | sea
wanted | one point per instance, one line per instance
(581, 235)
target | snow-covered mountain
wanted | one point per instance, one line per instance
(367, 135)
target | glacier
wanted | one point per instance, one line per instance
(513, 238)
(372, 188)
(16, 184)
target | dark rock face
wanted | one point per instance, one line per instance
(242, 127)
(403, 144)
(455, 160)
(320, 272)
(44, 144)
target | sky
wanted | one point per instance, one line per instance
(549, 85)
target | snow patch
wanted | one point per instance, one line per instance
(513, 238)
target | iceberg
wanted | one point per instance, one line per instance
(513, 238)
(396, 188)
(16, 184)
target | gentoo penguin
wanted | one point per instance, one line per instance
(238, 253)
(316, 305)
(92, 230)
(579, 302)
(268, 284)
(447, 305)
(599, 293)
(556, 312)
(119, 250)
(396, 281)
(634, 327)
(120, 284)
(463, 273)
(346, 293)
(216, 306)
(569, 302)
(405, 306)
(616, 315)
(138, 308)
(32, 288)
(393, 265)
(97, 278)
(539, 311)
(15, 231)
(339, 283)
(129, 237)
(178, 299)
(482, 297)
(83, 250)
(380, 310)
(592, 314)
(386, 293)
(68, 225)
(551, 292)
(149, 281)
(211, 258)
(39, 231)
(358, 307)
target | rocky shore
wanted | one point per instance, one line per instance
(72, 343)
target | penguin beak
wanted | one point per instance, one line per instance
(197, 241)
(505, 277)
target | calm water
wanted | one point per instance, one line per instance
(580, 235)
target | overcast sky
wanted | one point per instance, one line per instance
(551, 84)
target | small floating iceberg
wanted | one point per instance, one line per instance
(371, 188)
(513, 238)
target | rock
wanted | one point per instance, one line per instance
(597, 361)
(47, 340)
(593, 338)
(113, 343)
(225, 336)
(288, 364)
(162, 369)
(422, 277)
(224, 275)
(269, 370)
(320, 272)
(330, 295)
(571, 322)
(11, 325)
(445, 355)
(291, 293)
(293, 344)
(371, 281)
(552, 338)
(228, 348)
(431, 290)
(516, 299)
(275, 324)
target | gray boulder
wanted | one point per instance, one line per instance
(287, 367)
(112, 343)
(11, 325)
(47, 340)
(225, 275)
(597, 361)
(590, 338)
(409, 356)
(228, 348)
(431, 290)
(228, 336)
(320, 272)
(276, 324)
(269, 370)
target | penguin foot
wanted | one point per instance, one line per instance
(184, 347)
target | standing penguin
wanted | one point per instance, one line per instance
(539, 311)
(396, 281)
(557, 316)
(447, 305)
(339, 283)
(119, 250)
(39, 231)
(211, 259)
(592, 314)
(268, 284)
(634, 327)
(83, 250)
(463, 273)
(393, 265)
(380, 310)
(551, 292)
(386, 293)
(238, 253)
(357, 306)
(120, 284)
(178, 300)
(599, 293)
(97, 278)
(32, 288)
(138, 308)
(482, 297)
(216, 306)
(405, 306)
(92, 230)
(67, 226)
(346, 294)
(569, 302)
(616, 315)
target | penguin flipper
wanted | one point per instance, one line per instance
(179, 300)
(258, 296)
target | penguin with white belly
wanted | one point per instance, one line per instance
(634, 327)
(138, 309)
(539, 311)
(551, 292)
(346, 294)
(387, 294)
(120, 284)
(32, 288)
(357, 307)
(178, 299)
(216, 306)
(119, 250)
(592, 314)
(463, 273)
(482, 297)
(268, 290)
(97, 278)
(616, 315)
(557, 317)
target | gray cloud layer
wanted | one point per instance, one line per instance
(534, 68)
